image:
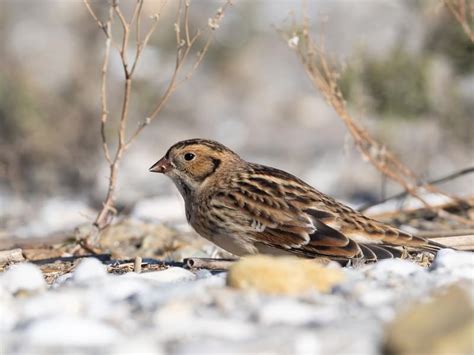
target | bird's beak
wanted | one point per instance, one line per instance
(161, 166)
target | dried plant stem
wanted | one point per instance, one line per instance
(400, 195)
(183, 49)
(324, 77)
(463, 12)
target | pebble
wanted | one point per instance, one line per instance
(282, 275)
(196, 327)
(11, 256)
(9, 317)
(307, 343)
(63, 279)
(92, 312)
(387, 268)
(122, 287)
(170, 275)
(50, 305)
(442, 326)
(143, 344)
(451, 259)
(294, 313)
(23, 277)
(89, 269)
(376, 298)
(69, 332)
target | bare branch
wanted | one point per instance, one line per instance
(181, 56)
(186, 22)
(125, 37)
(94, 16)
(136, 12)
(105, 65)
(183, 48)
(141, 45)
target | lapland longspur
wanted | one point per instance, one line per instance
(247, 208)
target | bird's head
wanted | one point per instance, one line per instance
(192, 162)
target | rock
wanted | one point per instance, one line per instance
(139, 345)
(454, 265)
(291, 312)
(46, 305)
(452, 259)
(376, 298)
(130, 238)
(442, 325)
(70, 332)
(205, 327)
(387, 268)
(39, 253)
(9, 317)
(119, 288)
(24, 277)
(89, 269)
(282, 275)
(307, 342)
(170, 275)
(11, 256)
(63, 279)
(202, 274)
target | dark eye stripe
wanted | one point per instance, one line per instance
(215, 165)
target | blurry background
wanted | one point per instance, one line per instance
(409, 78)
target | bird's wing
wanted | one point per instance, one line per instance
(277, 209)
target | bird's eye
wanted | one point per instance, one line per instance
(189, 156)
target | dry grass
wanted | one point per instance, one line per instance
(324, 76)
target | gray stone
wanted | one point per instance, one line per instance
(23, 277)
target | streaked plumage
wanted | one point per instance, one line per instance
(248, 208)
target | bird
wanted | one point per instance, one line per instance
(247, 208)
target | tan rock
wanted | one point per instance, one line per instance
(441, 325)
(282, 275)
(11, 256)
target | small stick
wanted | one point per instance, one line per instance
(208, 263)
(137, 266)
(462, 242)
(444, 234)
(449, 177)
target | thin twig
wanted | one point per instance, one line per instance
(449, 177)
(103, 92)
(183, 48)
(142, 45)
(136, 11)
(458, 10)
(180, 59)
(94, 16)
(208, 263)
